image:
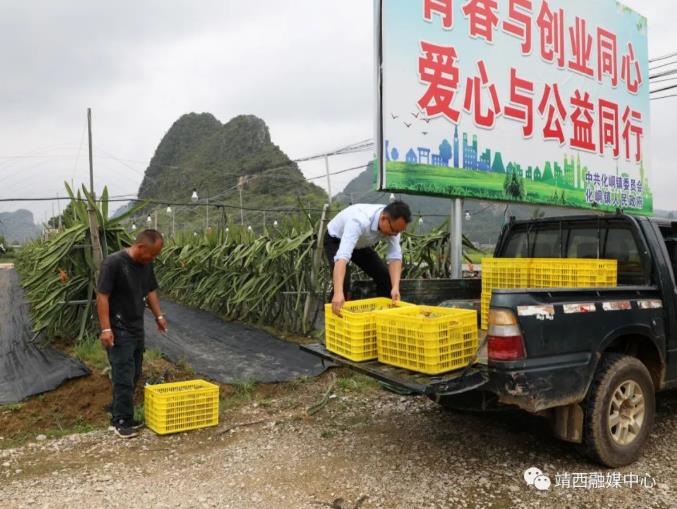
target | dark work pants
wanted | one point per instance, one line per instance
(367, 259)
(126, 360)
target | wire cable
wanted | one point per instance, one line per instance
(663, 97)
(656, 59)
(653, 68)
(669, 87)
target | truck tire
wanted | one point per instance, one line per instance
(619, 410)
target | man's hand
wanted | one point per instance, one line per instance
(162, 324)
(395, 295)
(107, 339)
(337, 303)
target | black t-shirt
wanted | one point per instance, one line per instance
(127, 283)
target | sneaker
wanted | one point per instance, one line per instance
(134, 424)
(125, 432)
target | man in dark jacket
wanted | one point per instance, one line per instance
(126, 282)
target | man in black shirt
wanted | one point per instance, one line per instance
(127, 279)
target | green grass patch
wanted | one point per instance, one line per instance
(81, 426)
(299, 382)
(243, 392)
(139, 413)
(11, 407)
(356, 383)
(90, 351)
(244, 389)
(184, 365)
(152, 354)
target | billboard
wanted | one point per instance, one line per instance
(534, 101)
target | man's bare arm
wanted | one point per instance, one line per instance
(103, 310)
(154, 304)
(395, 270)
(339, 276)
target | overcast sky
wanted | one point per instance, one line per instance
(304, 66)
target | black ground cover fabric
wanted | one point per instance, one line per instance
(227, 352)
(26, 367)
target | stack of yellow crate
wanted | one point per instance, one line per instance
(425, 339)
(543, 273)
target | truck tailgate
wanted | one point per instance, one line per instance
(455, 382)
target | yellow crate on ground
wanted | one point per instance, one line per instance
(572, 273)
(181, 406)
(353, 334)
(426, 339)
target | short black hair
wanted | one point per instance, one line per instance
(149, 237)
(398, 210)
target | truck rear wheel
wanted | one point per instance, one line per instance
(619, 410)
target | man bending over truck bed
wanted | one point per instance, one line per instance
(351, 236)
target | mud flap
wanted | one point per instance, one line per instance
(567, 423)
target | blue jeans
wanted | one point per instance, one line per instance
(126, 360)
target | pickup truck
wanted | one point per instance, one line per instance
(590, 359)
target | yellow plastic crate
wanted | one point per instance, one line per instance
(543, 273)
(501, 273)
(426, 339)
(572, 273)
(505, 273)
(484, 309)
(353, 334)
(181, 406)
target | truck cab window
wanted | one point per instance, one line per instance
(546, 244)
(517, 246)
(621, 246)
(583, 243)
(671, 245)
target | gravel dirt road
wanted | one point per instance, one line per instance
(367, 448)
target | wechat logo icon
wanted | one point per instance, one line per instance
(534, 477)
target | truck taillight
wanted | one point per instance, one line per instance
(504, 337)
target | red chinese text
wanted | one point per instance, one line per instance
(519, 23)
(581, 47)
(445, 9)
(483, 18)
(631, 120)
(437, 68)
(582, 121)
(608, 126)
(557, 114)
(607, 56)
(551, 27)
(473, 98)
(521, 105)
(631, 73)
